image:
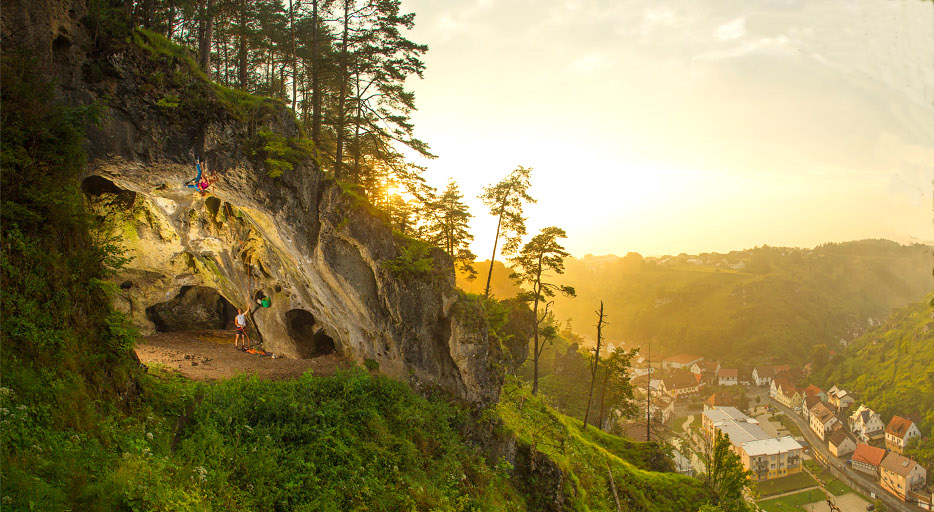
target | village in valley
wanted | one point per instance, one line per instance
(805, 446)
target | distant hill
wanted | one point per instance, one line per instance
(762, 303)
(891, 367)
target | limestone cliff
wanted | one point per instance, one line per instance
(298, 239)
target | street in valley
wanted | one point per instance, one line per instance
(838, 465)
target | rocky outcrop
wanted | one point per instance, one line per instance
(300, 240)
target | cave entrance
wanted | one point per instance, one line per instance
(97, 186)
(308, 342)
(195, 308)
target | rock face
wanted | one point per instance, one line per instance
(299, 240)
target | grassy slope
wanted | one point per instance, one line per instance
(891, 367)
(786, 303)
(586, 456)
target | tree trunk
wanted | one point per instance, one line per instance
(342, 94)
(149, 13)
(205, 36)
(315, 79)
(537, 289)
(170, 23)
(499, 223)
(596, 364)
(242, 54)
(358, 119)
(128, 11)
(535, 359)
(293, 6)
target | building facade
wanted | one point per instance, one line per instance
(900, 475)
(822, 420)
(898, 432)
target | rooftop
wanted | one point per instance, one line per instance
(728, 372)
(868, 454)
(822, 412)
(812, 390)
(898, 426)
(898, 464)
(765, 371)
(739, 427)
(683, 358)
(770, 446)
(838, 437)
(680, 380)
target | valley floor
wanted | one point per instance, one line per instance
(210, 355)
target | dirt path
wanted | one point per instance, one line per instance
(210, 355)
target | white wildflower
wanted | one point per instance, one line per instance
(21, 407)
(6, 499)
(149, 436)
(6, 392)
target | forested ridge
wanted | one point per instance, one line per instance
(775, 303)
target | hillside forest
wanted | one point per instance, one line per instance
(754, 305)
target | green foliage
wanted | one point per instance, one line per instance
(448, 228)
(414, 261)
(891, 367)
(585, 456)
(505, 200)
(159, 45)
(58, 325)
(726, 476)
(348, 442)
(279, 153)
(169, 101)
(371, 364)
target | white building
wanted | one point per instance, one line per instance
(898, 432)
(866, 424)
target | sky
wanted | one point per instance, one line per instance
(663, 127)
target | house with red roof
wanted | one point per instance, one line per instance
(867, 459)
(728, 377)
(898, 432)
(680, 383)
(813, 390)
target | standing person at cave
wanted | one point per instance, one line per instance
(240, 321)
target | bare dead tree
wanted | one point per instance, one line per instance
(596, 361)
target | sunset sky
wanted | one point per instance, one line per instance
(664, 127)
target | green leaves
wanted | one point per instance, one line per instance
(280, 154)
(414, 261)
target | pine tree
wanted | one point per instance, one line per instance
(505, 200)
(447, 227)
(539, 257)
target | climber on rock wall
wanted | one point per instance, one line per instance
(201, 182)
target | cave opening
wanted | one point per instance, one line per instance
(195, 308)
(96, 186)
(308, 342)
